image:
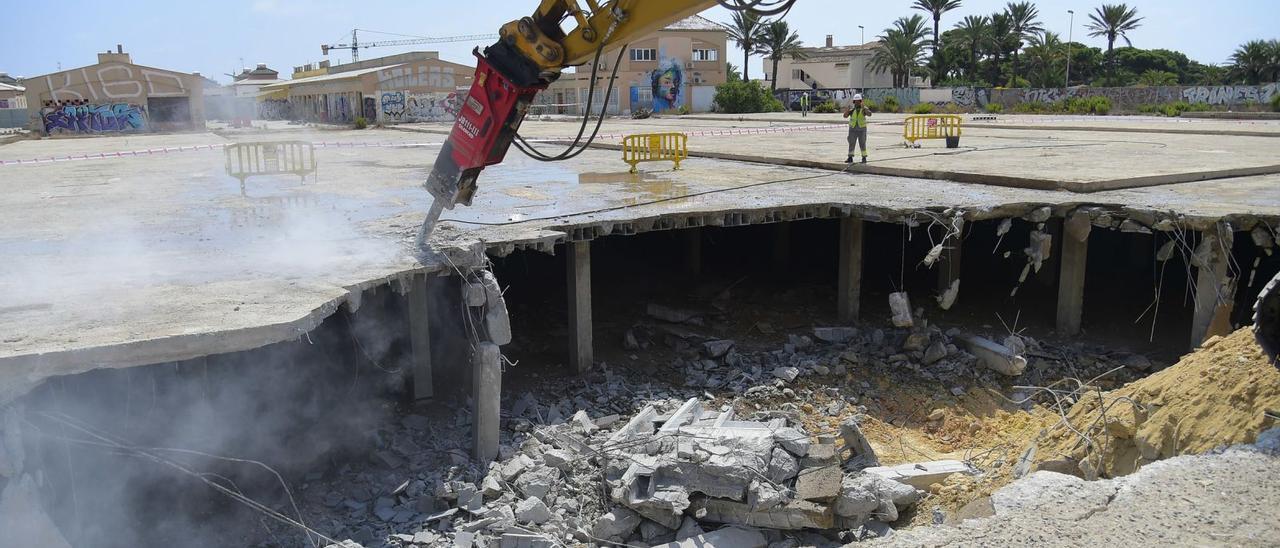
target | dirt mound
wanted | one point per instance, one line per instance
(1224, 393)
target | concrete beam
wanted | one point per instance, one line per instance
(486, 392)
(420, 337)
(1074, 253)
(693, 250)
(849, 278)
(578, 270)
(1213, 288)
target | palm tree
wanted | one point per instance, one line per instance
(974, 33)
(999, 34)
(899, 53)
(747, 31)
(1022, 24)
(1113, 21)
(912, 27)
(1254, 61)
(778, 41)
(936, 8)
(1045, 58)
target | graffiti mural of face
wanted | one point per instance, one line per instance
(667, 82)
(667, 86)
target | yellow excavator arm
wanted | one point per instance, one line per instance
(530, 54)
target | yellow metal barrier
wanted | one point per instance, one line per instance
(270, 158)
(932, 126)
(655, 147)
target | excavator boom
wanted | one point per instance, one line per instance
(528, 56)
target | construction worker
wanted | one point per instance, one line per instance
(804, 104)
(857, 115)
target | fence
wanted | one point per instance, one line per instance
(1122, 98)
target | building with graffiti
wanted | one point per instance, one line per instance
(115, 95)
(676, 66)
(410, 87)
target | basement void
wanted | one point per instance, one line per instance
(228, 449)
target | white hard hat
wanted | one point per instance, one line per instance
(857, 97)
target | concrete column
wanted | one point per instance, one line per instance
(1213, 296)
(1074, 253)
(578, 268)
(420, 337)
(486, 392)
(782, 247)
(693, 250)
(849, 278)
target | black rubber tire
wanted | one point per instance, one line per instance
(953, 142)
(1266, 319)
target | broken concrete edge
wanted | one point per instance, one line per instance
(978, 125)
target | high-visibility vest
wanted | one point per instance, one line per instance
(857, 118)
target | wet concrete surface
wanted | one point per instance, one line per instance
(127, 261)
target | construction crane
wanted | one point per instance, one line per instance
(355, 44)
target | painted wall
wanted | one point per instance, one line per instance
(1126, 99)
(98, 98)
(87, 117)
(408, 106)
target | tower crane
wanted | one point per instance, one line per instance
(355, 44)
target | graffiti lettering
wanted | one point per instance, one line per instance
(431, 107)
(393, 105)
(91, 118)
(274, 109)
(416, 77)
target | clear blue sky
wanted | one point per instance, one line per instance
(212, 37)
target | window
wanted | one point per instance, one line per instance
(644, 97)
(797, 74)
(704, 55)
(644, 54)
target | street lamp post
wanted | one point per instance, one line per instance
(1071, 27)
(862, 41)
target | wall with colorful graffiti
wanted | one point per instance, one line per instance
(1130, 98)
(78, 117)
(404, 106)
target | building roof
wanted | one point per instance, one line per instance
(254, 82)
(695, 22)
(11, 87)
(836, 53)
(327, 77)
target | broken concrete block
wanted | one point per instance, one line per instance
(537, 482)
(582, 422)
(558, 459)
(492, 290)
(921, 474)
(900, 307)
(616, 525)
(763, 495)
(473, 294)
(994, 356)
(515, 466)
(729, 537)
(793, 440)
(1065, 497)
(786, 373)
(526, 540)
(936, 351)
(464, 539)
(1040, 248)
(822, 454)
(861, 453)
(688, 528)
(668, 314)
(857, 501)
(819, 484)
(835, 334)
(717, 348)
(653, 532)
(532, 510)
(782, 466)
(1038, 215)
(916, 340)
(948, 298)
(497, 324)
(799, 514)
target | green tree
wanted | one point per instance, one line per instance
(936, 8)
(779, 41)
(1158, 78)
(899, 52)
(731, 72)
(1022, 24)
(1111, 22)
(1256, 61)
(747, 32)
(1046, 59)
(973, 33)
(1001, 37)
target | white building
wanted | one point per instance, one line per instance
(832, 67)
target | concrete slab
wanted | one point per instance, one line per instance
(132, 260)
